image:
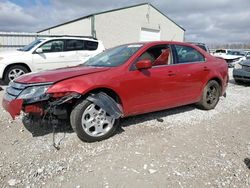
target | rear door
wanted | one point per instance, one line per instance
(72, 47)
(191, 67)
(90, 49)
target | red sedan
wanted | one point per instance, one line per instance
(123, 81)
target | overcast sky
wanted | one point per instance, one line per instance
(210, 21)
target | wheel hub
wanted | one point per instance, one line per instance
(95, 121)
(211, 95)
(14, 73)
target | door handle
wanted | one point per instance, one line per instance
(206, 69)
(170, 73)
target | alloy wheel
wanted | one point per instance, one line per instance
(96, 122)
(14, 73)
(212, 95)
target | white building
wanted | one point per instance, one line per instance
(142, 22)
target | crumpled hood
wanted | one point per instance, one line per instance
(58, 74)
(245, 63)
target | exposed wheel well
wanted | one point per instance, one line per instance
(21, 64)
(109, 92)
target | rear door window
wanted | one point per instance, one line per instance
(187, 54)
(91, 45)
(74, 45)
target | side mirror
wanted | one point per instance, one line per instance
(143, 64)
(39, 50)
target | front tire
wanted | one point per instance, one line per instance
(14, 72)
(91, 123)
(210, 96)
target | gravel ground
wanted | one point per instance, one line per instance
(181, 147)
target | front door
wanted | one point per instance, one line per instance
(155, 88)
(52, 56)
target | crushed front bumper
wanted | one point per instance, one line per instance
(13, 106)
(10, 102)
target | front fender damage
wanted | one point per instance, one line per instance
(106, 103)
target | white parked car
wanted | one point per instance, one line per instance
(47, 53)
(229, 56)
(247, 54)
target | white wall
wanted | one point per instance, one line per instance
(124, 26)
(169, 30)
(79, 27)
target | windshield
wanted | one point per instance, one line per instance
(114, 57)
(31, 45)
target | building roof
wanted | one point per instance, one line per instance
(90, 15)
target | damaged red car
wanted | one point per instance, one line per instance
(123, 81)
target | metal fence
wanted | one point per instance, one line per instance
(10, 40)
(14, 40)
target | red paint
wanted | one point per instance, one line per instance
(140, 91)
(36, 109)
(58, 74)
(13, 107)
(143, 64)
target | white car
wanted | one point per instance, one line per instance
(229, 56)
(247, 54)
(47, 53)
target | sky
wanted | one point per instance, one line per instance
(210, 21)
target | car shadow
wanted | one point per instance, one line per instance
(247, 162)
(2, 83)
(37, 128)
(158, 116)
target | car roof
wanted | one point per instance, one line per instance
(76, 38)
(197, 43)
(159, 42)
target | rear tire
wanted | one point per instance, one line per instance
(210, 96)
(14, 72)
(91, 123)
